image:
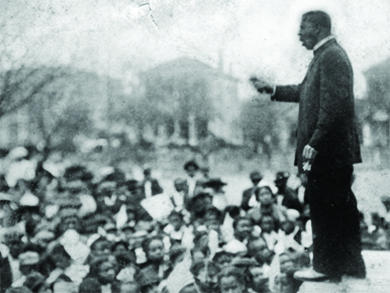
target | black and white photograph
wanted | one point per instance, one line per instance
(192, 146)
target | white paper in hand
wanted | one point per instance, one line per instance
(158, 207)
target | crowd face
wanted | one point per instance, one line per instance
(231, 285)
(260, 251)
(207, 280)
(259, 281)
(106, 273)
(243, 229)
(156, 250)
(176, 221)
(15, 246)
(265, 196)
(191, 171)
(267, 224)
(286, 264)
(101, 248)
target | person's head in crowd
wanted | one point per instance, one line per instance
(175, 218)
(127, 231)
(20, 289)
(191, 168)
(148, 174)
(259, 280)
(120, 247)
(200, 202)
(223, 259)
(233, 211)
(60, 258)
(232, 280)
(257, 248)
(288, 227)
(212, 218)
(206, 276)
(124, 259)
(264, 195)
(198, 254)
(103, 270)
(176, 254)
(111, 231)
(255, 177)
(201, 239)
(154, 249)
(179, 184)
(129, 287)
(287, 263)
(242, 227)
(281, 180)
(36, 283)
(101, 247)
(63, 284)
(205, 172)
(144, 222)
(131, 213)
(69, 221)
(90, 285)
(267, 224)
(28, 262)
(13, 240)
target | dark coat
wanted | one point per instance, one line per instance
(326, 110)
(246, 196)
(155, 186)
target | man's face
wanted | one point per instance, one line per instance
(191, 171)
(308, 34)
(243, 229)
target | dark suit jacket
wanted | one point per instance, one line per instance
(246, 196)
(155, 186)
(326, 110)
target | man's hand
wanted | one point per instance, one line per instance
(309, 155)
(261, 85)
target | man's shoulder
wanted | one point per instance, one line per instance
(333, 51)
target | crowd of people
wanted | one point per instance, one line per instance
(71, 229)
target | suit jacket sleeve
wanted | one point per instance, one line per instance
(287, 93)
(336, 93)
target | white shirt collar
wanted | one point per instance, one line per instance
(323, 41)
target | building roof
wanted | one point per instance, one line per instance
(187, 65)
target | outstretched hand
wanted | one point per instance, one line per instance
(261, 85)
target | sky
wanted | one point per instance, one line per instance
(124, 37)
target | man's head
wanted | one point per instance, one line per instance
(315, 26)
(255, 177)
(242, 228)
(191, 167)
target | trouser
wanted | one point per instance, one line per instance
(335, 223)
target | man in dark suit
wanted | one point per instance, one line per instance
(327, 148)
(150, 185)
(255, 177)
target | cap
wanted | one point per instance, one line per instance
(282, 175)
(214, 183)
(255, 175)
(191, 163)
